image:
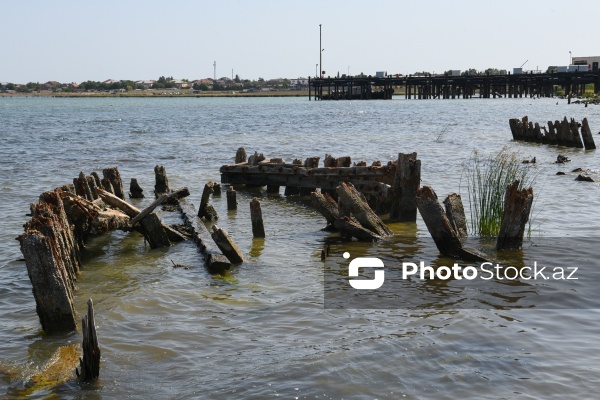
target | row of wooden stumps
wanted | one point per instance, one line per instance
(562, 133)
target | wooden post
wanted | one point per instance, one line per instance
(312, 162)
(162, 182)
(406, 183)
(113, 175)
(92, 185)
(154, 232)
(108, 186)
(455, 213)
(517, 206)
(329, 161)
(240, 155)
(96, 179)
(135, 191)
(231, 198)
(586, 133)
(216, 189)
(574, 127)
(440, 228)
(82, 187)
(89, 364)
(226, 244)
(552, 139)
(177, 195)
(206, 210)
(353, 204)
(145, 212)
(258, 227)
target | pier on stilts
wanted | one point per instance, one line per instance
(452, 87)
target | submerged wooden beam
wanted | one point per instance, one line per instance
(216, 262)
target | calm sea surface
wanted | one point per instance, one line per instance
(263, 331)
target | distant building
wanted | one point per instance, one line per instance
(299, 83)
(591, 62)
(146, 84)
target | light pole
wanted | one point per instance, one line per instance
(316, 70)
(320, 53)
(570, 58)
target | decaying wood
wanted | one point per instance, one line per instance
(226, 244)
(162, 182)
(517, 206)
(89, 364)
(586, 133)
(82, 187)
(231, 198)
(217, 189)
(50, 282)
(97, 179)
(258, 227)
(444, 236)
(406, 183)
(256, 158)
(178, 194)
(240, 155)
(352, 203)
(350, 227)
(205, 210)
(312, 162)
(135, 191)
(215, 261)
(154, 232)
(326, 205)
(163, 197)
(106, 185)
(455, 213)
(574, 127)
(113, 175)
(92, 186)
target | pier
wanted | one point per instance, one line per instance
(452, 87)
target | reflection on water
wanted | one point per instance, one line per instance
(262, 330)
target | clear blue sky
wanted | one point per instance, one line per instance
(73, 41)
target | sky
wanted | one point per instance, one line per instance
(75, 41)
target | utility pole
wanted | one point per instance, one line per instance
(215, 67)
(320, 54)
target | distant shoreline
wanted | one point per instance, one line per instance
(158, 95)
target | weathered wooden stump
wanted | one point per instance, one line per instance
(552, 139)
(226, 244)
(217, 189)
(353, 204)
(344, 161)
(256, 158)
(574, 128)
(177, 195)
(404, 191)
(231, 198)
(107, 185)
(113, 175)
(161, 180)
(240, 155)
(326, 205)
(135, 191)
(312, 162)
(154, 232)
(329, 161)
(205, 210)
(146, 211)
(82, 187)
(455, 213)
(517, 206)
(586, 133)
(258, 227)
(89, 364)
(445, 237)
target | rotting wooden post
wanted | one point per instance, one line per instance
(586, 133)
(226, 244)
(517, 206)
(440, 228)
(96, 179)
(177, 195)
(89, 364)
(258, 227)
(113, 175)
(92, 185)
(513, 123)
(312, 162)
(240, 155)
(50, 284)
(154, 232)
(353, 204)
(216, 189)
(404, 191)
(256, 158)
(162, 182)
(326, 205)
(107, 185)
(552, 139)
(329, 161)
(344, 161)
(206, 210)
(231, 198)
(135, 191)
(82, 187)
(455, 213)
(574, 127)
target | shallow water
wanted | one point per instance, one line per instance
(263, 330)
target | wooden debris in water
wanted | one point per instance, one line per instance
(258, 227)
(226, 244)
(517, 206)
(162, 182)
(206, 210)
(89, 364)
(561, 133)
(231, 198)
(353, 204)
(445, 237)
(146, 211)
(240, 156)
(456, 214)
(135, 191)
(404, 190)
(113, 175)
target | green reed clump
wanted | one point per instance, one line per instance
(487, 179)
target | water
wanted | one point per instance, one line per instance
(262, 331)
